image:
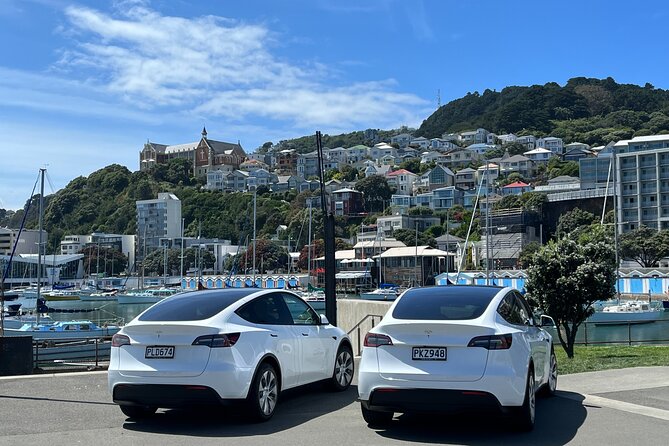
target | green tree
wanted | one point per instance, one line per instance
(103, 260)
(526, 254)
(566, 278)
(574, 220)
(645, 245)
(376, 190)
(408, 237)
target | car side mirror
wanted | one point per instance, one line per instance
(324, 320)
(547, 321)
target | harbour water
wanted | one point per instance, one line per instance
(588, 333)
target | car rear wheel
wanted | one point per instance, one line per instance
(138, 412)
(551, 385)
(264, 393)
(343, 369)
(376, 418)
(526, 412)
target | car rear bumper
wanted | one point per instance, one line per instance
(430, 400)
(165, 395)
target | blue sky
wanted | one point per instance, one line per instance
(84, 84)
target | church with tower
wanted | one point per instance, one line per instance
(206, 154)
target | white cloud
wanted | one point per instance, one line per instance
(221, 67)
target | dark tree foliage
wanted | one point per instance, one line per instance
(376, 190)
(573, 111)
(574, 221)
(104, 261)
(408, 237)
(645, 245)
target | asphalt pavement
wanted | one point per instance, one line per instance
(616, 407)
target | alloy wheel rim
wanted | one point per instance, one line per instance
(552, 379)
(531, 396)
(267, 392)
(344, 368)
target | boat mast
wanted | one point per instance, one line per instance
(254, 239)
(309, 249)
(40, 244)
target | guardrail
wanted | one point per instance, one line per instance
(82, 352)
(621, 333)
(357, 328)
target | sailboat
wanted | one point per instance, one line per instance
(54, 330)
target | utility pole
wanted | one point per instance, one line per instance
(415, 261)
(309, 249)
(182, 248)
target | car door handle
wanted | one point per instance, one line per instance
(305, 334)
(274, 335)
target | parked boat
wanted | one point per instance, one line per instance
(380, 294)
(105, 296)
(145, 296)
(60, 295)
(624, 312)
(64, 330)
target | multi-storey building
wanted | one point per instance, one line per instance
(158, 221)
(529, 141)
(27, 242)
(478, 136)
(642, 173)
(126, 244)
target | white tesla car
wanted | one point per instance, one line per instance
(222, 346)
(454, 348)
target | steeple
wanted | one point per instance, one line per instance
(204, 132)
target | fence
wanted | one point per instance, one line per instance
(89, 353)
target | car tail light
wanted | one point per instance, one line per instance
(494, 342)
(118, 340)
(376, 340)
(219, 340)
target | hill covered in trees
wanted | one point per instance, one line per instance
(593, 111)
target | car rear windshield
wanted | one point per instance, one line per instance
(194, 306)
(444, 303)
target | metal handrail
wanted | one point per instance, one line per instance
(357, 326)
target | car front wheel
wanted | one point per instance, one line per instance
(343, 369)
(551, 385)
(138, 412)
(264, 393)
(376, 418)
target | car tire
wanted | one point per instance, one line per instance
(548, 389)
(138, 412)
(264, 393)
(375, 418)
(342, 376)
(526, 413)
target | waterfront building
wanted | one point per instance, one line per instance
(642, 171)
(124, 243)
(55, 269)
(26, 244)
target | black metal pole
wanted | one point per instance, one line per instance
(329, 239)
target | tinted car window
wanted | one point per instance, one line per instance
(193, 306)
(444, 303)
(510, 310)
(527, 311)
(301, 313)
(267, 310)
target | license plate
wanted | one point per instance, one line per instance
(428, 353)
(159, 352)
